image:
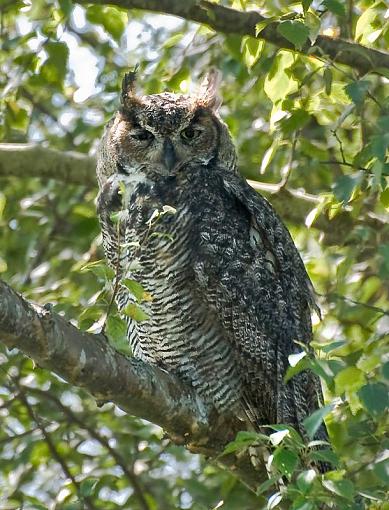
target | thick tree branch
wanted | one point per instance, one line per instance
(230, 21)
(31, 160)
(88, 361)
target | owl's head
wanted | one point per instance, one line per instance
(160, 134)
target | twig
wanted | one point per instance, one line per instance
(132, 478)
(117, 279)
(340, 146)
(359, 303)
(285, 178)
(53, 449)
(344, 163)
(7, 439)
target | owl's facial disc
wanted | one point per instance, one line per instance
(162, 133)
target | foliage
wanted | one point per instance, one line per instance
(297, 120)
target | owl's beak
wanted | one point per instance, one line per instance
(169, 155)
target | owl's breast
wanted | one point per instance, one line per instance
(181, 334)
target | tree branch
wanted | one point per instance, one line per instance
(230, 21)
(35, 160)
(32, 160)
(87, 360)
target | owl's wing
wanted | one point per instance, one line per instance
(252, 276)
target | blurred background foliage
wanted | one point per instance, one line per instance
(304, 123)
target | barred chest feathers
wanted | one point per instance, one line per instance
(160, 230)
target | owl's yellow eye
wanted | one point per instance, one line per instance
(142, 135)
(190, 133)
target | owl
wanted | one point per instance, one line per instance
(227, 294)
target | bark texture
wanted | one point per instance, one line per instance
(87, 360)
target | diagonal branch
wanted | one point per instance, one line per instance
(87, 360)
(231, 21)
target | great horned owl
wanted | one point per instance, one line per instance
(228, 291)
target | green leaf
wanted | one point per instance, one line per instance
(301, 365)
(17, 117)
(325, 456)
(89, 316)
(305, 480)
(267, 484)
(383, 250)
(327, 75)
(66, 7)
(335, 7)
(293, 359)
(113, 20)
(366, 24)
(243, 440)
(252, 50)
(357, 91)
(374, 398)
(379, 145)
(332, 346)
(88, 486)
(306, 4)
(136, 290)
(345, 186)
(297, 120)
(116, 331)
(343, 488)
(173, 41)
(263, 24)
(381, 469)
(269, 155)
(285, 460)
(277, 437)
(294, 31)
(385, 370)
(279, 82)
(349, 379)
(303, 504)
(135, 312)
(313, 422)
(100, 269)
(54, 69)
(312, 21)
(3, 201)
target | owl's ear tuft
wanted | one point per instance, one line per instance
(128, 87)
(208, 92)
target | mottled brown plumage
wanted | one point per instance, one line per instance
(230, 294)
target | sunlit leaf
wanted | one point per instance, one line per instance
(135, 312)
(349, 379)
(278, 82)
(137, 290)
